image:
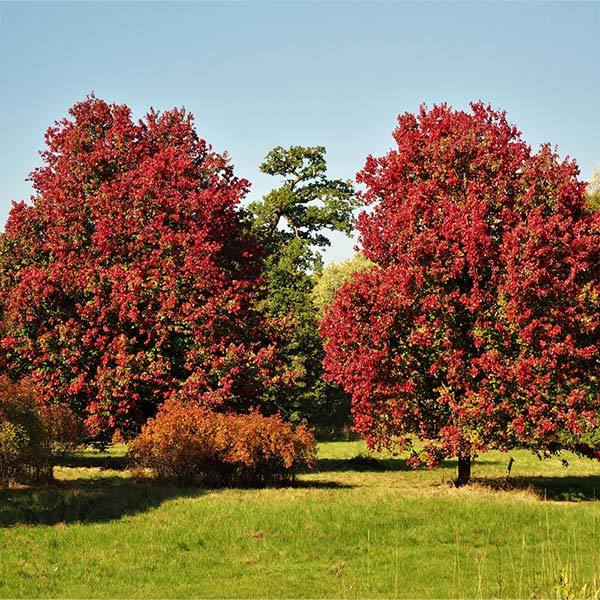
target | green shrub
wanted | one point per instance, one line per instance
(13, 443)
(585, 444)
(24, 451)
(31, 436)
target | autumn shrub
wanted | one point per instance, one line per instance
(191, 443)
(32, 436)
(25, 453)
(63, 429)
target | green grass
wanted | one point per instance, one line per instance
(355, 527)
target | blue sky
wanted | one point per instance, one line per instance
(257, 75)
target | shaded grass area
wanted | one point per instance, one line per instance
(569, 489)
(84, 500)
(101, 460)
(360, 525)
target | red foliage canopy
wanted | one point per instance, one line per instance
(479, 327)
(130, 277)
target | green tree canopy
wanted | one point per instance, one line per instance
(333, 276)
(307, 202)
(593, 189)
(292, 222)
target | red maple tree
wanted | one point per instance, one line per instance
(479, 326)
(130, 277)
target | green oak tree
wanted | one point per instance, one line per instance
(292, 222)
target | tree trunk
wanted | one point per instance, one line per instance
(464, 470)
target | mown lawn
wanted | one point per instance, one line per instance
(356, 527)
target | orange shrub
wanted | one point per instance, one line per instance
(192, 443)
(24, 452)
(31, 436)
(62, 428)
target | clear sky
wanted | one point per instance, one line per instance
(257, 75)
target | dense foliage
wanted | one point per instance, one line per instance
(291, 222)
(23, 451)
(63, 429)
(130, 277)
(192, 443)
(480, 328)
(593, 190)
(333, 276)
(31, 436)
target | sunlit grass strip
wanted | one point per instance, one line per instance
(353, 529)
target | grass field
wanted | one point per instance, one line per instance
(355, 527)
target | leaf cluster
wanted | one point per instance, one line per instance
(308, 202)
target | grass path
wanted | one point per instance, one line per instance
(356, 527)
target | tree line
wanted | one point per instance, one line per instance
(468, 319)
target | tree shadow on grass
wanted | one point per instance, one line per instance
(452, 463)
(561, 489)
(85, 500)
(92, 461)
(360, 463)
(320, 485)
(105, 499)
(365, 463)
